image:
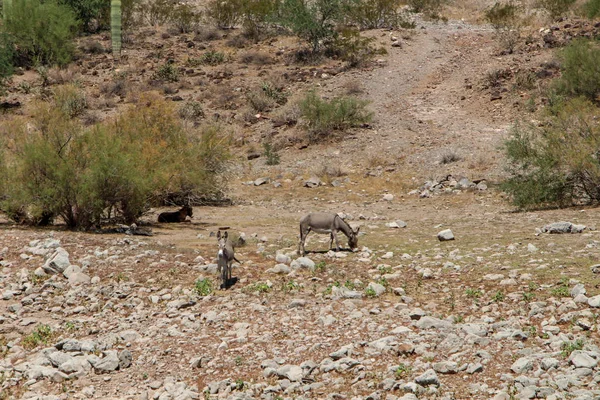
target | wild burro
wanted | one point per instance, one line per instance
(225, 258)
(176, 216)
(327, 223)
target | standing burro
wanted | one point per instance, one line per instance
(327, 223)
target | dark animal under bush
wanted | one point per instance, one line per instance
(176, 216)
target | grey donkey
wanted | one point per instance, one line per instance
(327, 223)
(225, 257)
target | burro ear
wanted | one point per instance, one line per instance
(225, 235)
(356, 231)
(218, 235)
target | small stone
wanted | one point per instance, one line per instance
(445, 235)
(428, 378)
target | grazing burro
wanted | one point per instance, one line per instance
(225, 257)
(176, 216)
(327, 223)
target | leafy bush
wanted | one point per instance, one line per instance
(40, 335)
(87, 11)
(321, 116)
(255, 16)
(556, 8)
(506, 20)
(556, 164)
(167, 73)
(191, 111)
(226, 14)
(353, 48)
(157, 12)
(109, 172)
(210, 57)
(41, 31)
(373, 14)
(203, 287)
(313, 22)
(7, 54)
(185, 19)
(431, 8)
(70, 100)
(271, 154)
(580, 70)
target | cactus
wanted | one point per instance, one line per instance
(115, 27)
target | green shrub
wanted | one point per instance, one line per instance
(210, 57)
(580, 70)
(556, 164)
(556, 8)
(321, 117)
(70, 99)
(591, 9)
(313, 22)
(191, 111)
(373, 14)
(256, 14)
(506, 20)
(430, 8)
(7, 54)
(157, 12)
(353, 48)
(185, 18)
(166, 73)
(110, 172)
(40, 335)
(203, 287)
(271, 154)
(41, 31)
(226, 14)
(87, 11)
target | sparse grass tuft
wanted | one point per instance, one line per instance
(203, 287)
(40, 335)
(568, 347)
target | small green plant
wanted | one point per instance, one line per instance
(192, 111)
(383, 282)
(322, 116)
(458, 319)
(568, 347)
(203, 287)
(166, 73)
(563, 289)
(121, 277)
(239, 384)
(349, 284)
(498, 296)
(270, 154)
(239, 361)
(370, 292)
(329, 288)
(384, 269)
(531, 330)
(40, 335)
(145, 376)
(210, 57)
(321, 266)
(70, 99)
(402, 371)
(290, 286)
(260, 287)
(528, 296)
(70, 326)
(473, 293)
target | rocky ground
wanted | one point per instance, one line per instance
(505, 310)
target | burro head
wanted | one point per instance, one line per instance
(221, 240)
(188, 210)
(353, 238)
